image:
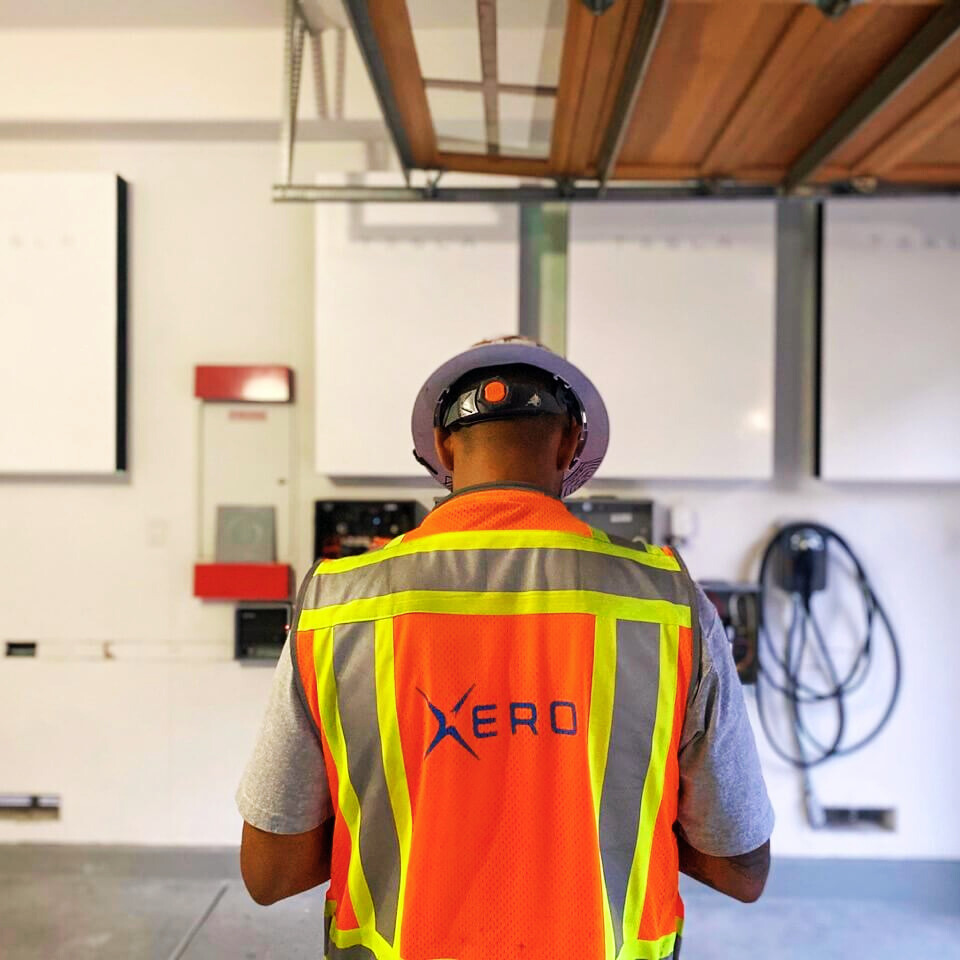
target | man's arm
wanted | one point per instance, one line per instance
(742, 877)
(284, 798)
(724, 818)
(276, 865)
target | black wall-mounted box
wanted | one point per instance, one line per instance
(261, 630)
(628, 519)
(344, 528)
(738, 605)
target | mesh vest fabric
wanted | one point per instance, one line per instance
(499, 696)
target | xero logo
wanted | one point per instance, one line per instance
(520, 718)
(445, 729)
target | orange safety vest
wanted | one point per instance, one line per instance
(499, 696)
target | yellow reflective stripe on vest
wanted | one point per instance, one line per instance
(499, 540)
(393, 758)
(345, 939)
(346, 796)
(498, 604)
(598, 743)
(652, 794)
(649, 949)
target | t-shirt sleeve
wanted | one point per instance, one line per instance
(284, 787)
(724, 810)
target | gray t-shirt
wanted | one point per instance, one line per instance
(723, 810)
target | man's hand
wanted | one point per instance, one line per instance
(740, 877)
(276, 865)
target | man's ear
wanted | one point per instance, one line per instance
(442, 440)
(569, 441)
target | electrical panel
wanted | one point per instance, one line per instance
(345, 528)
(738, 605)
(261, 630)
(627, 519)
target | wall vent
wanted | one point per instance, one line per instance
(860, 818)
(29, 806)
(21, 648)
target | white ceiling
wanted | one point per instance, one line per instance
(60, 14)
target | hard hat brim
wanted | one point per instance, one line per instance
(502, 354)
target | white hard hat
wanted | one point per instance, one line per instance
(509, 351)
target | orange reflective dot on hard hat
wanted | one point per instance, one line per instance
(495, 392)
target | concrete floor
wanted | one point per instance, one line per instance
(80, 903)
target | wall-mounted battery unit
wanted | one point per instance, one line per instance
(739, 607)
(627, 519)
(344, 528)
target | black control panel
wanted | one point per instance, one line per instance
(345, 528)
(261, 630)
(739, 607)
(628, 519)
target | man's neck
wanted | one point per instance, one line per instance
(505, 485)
(471, 472)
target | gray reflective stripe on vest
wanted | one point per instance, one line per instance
(628, 756)
(696, 660)
(354, 669)
(514, 570)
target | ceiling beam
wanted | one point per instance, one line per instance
(666, 191)
(644, 42)
(484, 163)
(939, 112)
(946, 174)
(317, 193)
(385, 37)
(577, 39)
(487, 28)
(533, 90)
(744, 125)
(919, 50)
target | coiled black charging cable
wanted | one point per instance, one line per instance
(787, 674)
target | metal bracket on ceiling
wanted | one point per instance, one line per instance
(432, 187)
(297, 25)
(835, 8)
(652, 16)
(598, 6)
(534, 193)
(294, 28)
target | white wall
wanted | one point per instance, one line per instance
(147, 748)
(217, 274)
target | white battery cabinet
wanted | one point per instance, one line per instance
(890, 340)
(63, 319)
(671, 312)
(400, 288)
